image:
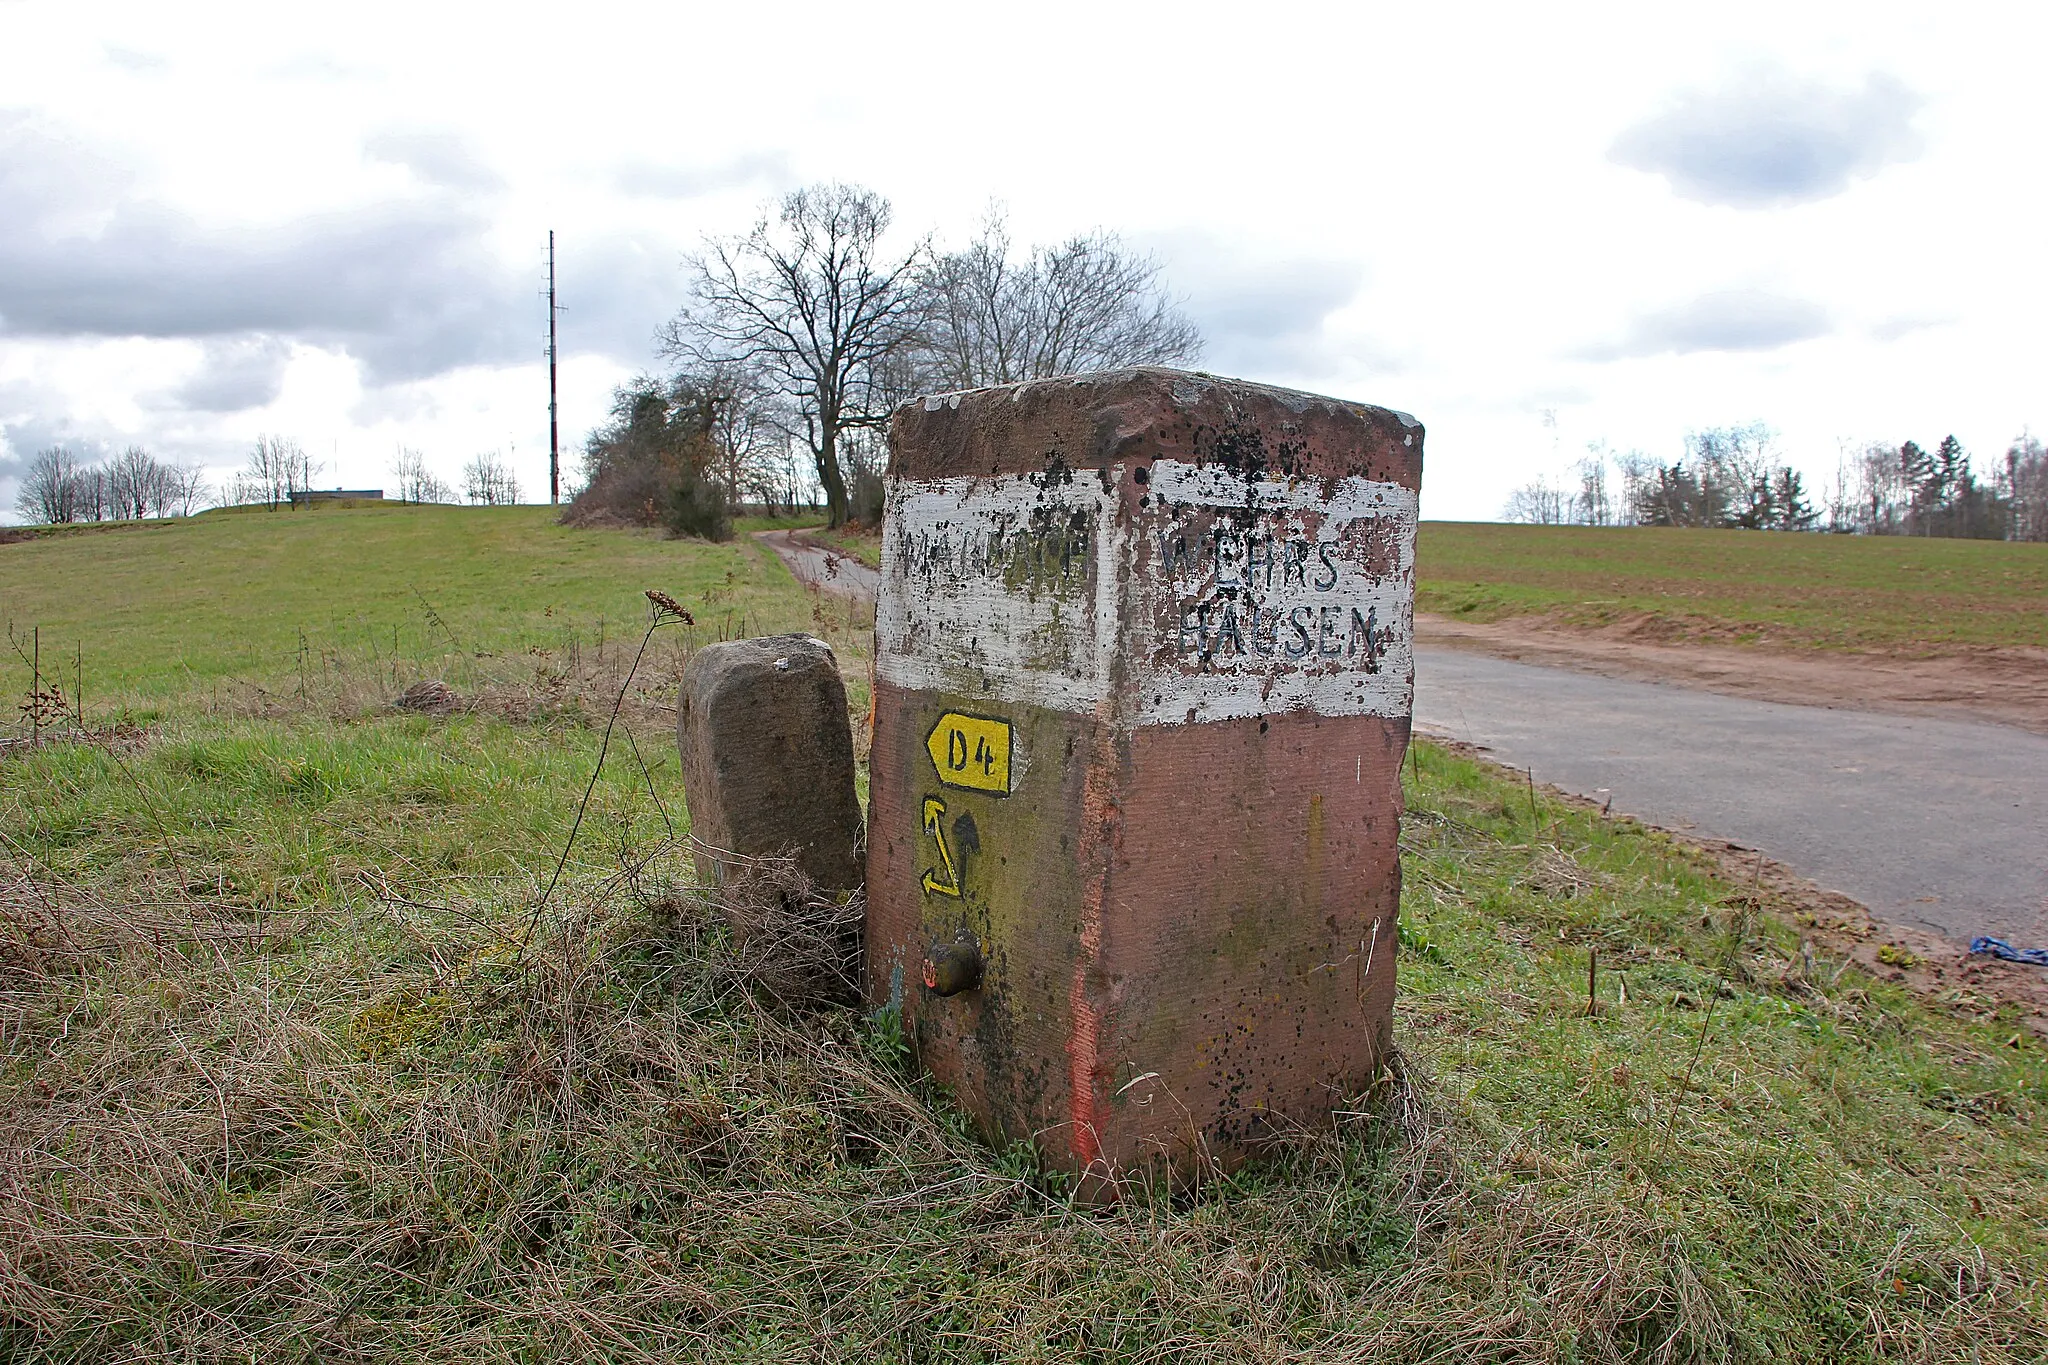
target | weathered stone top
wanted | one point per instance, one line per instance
(1093, 421)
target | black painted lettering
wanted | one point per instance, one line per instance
(1187, 628)
(1365, 629)
(1328, 621)
(1267, 641)
(1326, 577)
(1300, 644)
(956, 751)
(1172, 549)
(1227, 630)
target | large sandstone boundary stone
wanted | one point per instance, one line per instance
(1143, 691)
(768, 758)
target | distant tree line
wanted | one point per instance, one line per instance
(1909, 491)
(800, 337)
(60, 486)
(414, 480)
(487, 480)
(1736, 477)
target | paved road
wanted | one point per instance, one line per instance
(1938, 823)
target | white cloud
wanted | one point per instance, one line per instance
(1721, 320)
(679, 180)
(1764, 138)
(247, 218)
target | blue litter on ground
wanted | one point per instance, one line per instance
(1998, 947)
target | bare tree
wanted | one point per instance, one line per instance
(1091, 303)
(811, 303)
(94, 502)
(415, 480)
(1883, 492)
(185, 488)
(2025, 481)
(276, 469)
(1537, 504)
(135, 484)
(488, 481)
(1592, 506)
(1734, 466)
(50, 490)
(748, 422)
(1637, 472)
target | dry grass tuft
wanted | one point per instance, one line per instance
(429, 696)
(794, 942)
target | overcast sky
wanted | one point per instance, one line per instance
(1531, 226)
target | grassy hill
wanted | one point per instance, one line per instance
(171, 608)
(1874, 592)
(1801, 591)
(299, 1060)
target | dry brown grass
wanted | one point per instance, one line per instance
(283, 1076)
(657, 1139)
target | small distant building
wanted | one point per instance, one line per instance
(307, 497)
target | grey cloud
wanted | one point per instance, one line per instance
(1724, 320)
(436, 158)
(1261, 318)
(407, 286)
(1766, 138)
(615, 292)
(654, 180)
(236, 373)
(23, 436)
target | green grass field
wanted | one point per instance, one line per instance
(1745, 587)
(283, 1074)
(174, 609)
(1866, 592)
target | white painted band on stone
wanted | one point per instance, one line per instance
(1025, 589)
(945, 621)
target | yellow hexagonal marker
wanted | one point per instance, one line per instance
(971, 752)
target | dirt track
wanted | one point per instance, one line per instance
(830, 569)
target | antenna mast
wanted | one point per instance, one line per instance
(554, 428)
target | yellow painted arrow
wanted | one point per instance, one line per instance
(935, 825)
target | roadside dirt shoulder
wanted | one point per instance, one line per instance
(2004, 686)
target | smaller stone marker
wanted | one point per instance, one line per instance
(768, 758)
